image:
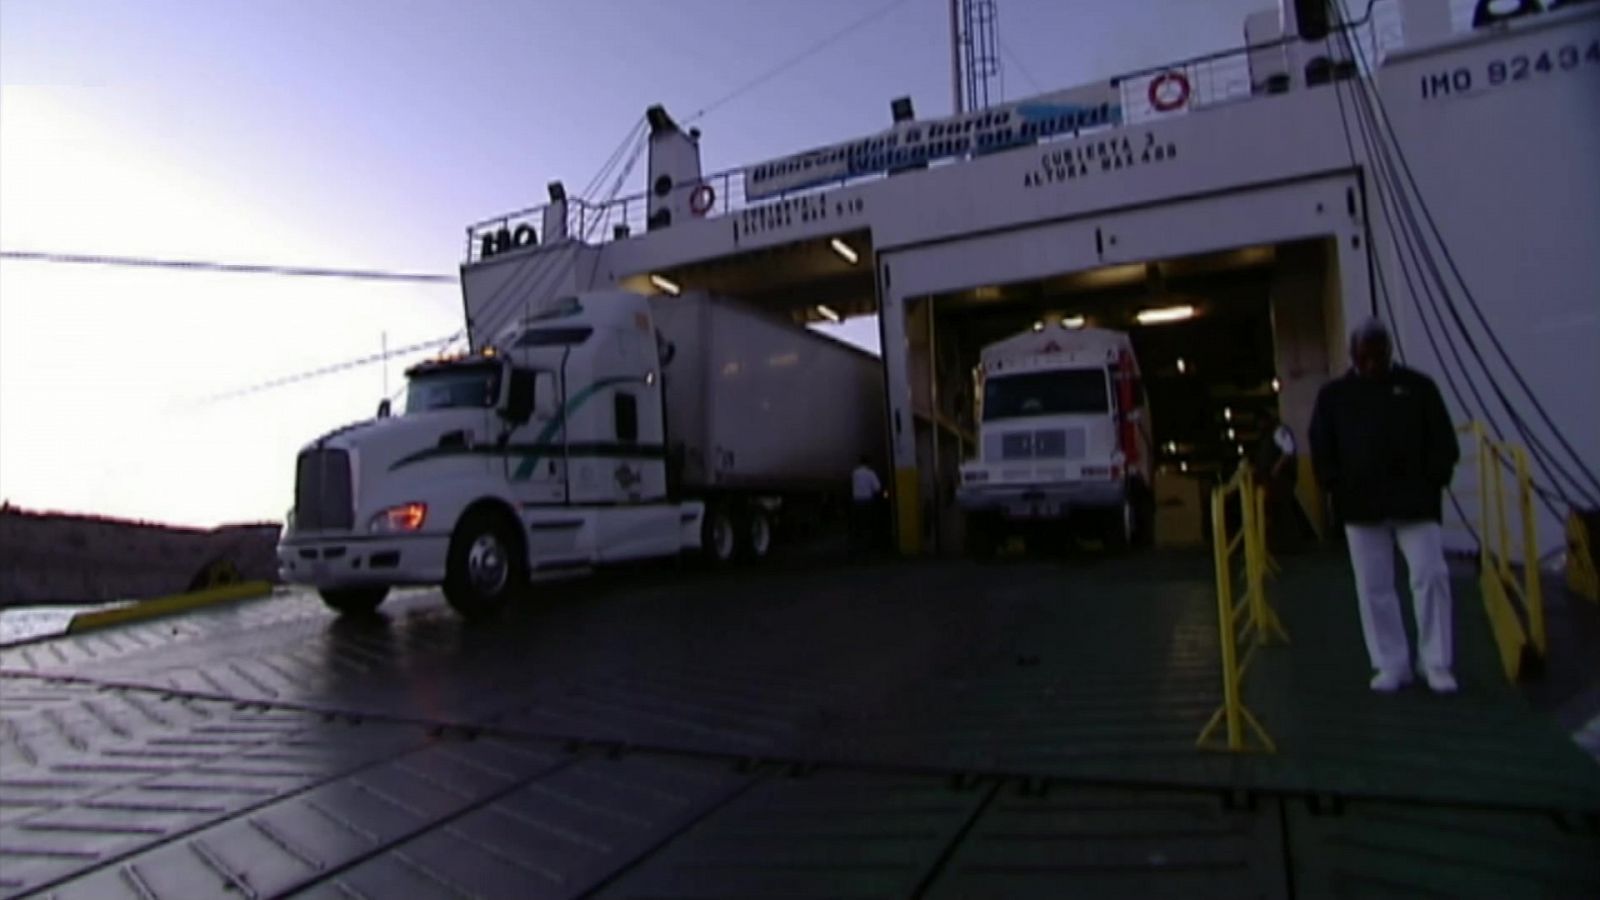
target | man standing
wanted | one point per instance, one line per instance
(1383, 445)
(865, 489)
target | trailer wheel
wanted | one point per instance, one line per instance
(485, 567)
(354, 601)
(718, 535)
(756, 536)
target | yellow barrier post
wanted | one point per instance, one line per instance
(1258, 562)
(1230, 686)
(1532, 587)
(1514, 635)
(1252, 608)
(1582, 576)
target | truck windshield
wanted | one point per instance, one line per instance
(1068, 391)
(555, 337)
(477, 386)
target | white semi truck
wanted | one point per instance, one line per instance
(609, 427)
(1064, 440)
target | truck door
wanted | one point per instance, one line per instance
(535, 458)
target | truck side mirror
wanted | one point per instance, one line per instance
(545, 402)
(519, 396)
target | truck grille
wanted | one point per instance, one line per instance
(1053, 443)
(322, 490)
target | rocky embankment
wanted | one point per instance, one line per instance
(63, 558)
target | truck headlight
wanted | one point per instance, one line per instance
(406, 517)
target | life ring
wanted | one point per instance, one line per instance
(701, 199)
(1160, 100)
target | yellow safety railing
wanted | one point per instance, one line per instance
(1250, 621)
(1582, 576)
(1518, 636)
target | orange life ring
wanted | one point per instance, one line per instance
(1162, 103)
(702, 199)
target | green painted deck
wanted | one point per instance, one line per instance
(1113, 677)
(923, 729)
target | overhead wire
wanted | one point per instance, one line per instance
(796, 59)
(500, 308)
(1017, 61)
(527, 270)
(233, 268)
(1416, 243)
(530, 265)
(1473, 305)
(327, 370)
(1383, 289)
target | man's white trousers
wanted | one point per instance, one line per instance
(1372, 558)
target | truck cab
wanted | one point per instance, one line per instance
(544, 451)
(1064, 440)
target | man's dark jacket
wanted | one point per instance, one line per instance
(1384, 446)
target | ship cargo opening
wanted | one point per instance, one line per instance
(1226, 342)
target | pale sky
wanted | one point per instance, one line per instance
(363, 134)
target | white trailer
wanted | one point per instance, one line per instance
(609, 427)
(765, 420)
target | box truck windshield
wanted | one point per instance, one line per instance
(1055, 392)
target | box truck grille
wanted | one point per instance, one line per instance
(1053, 443)
(322, 490)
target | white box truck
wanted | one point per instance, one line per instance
(609, 427)
(1064, 440)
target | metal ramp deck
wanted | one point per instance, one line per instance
(928, 729)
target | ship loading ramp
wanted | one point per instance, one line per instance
(899, 730)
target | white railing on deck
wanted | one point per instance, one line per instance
(1214, 80)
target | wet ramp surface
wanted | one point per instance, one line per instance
(944, 730)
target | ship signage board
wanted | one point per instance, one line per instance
(916, 143)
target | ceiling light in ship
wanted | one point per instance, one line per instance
(1164, 314)
(827, 312)
(845, 251)
(666, 286)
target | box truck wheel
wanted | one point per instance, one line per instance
(756, 535)
(1120, 525)
(486, 566)
(982, 536)
(354, 601)
(1144, 510)
(718, 535)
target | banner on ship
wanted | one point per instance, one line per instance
(913, 143)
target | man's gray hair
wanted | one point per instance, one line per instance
(1370, 329)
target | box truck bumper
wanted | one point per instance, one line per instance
(335, 561)
(1040, 501)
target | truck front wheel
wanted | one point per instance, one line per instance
(354, 601)
(485, 568)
